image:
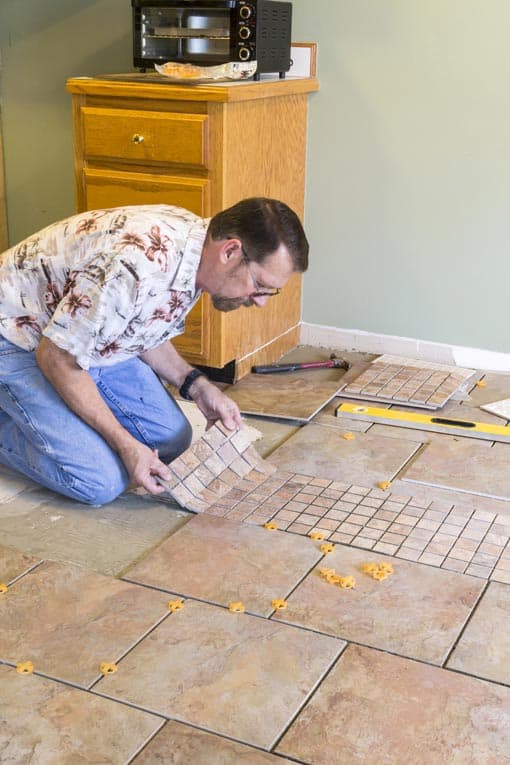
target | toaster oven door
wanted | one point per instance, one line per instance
(191, 32)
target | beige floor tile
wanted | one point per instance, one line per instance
(104, 539)
(328, 416)
(230, 673)
(178, 744)
(274, 433)
(418, 611)
(12, 484)
(497, 386)
(484, 648)
(67, 621)
(321, 451)
(13, 563)
(466, 466)
(47, 723)
(374, 707)
(293, 396)
(222, 561)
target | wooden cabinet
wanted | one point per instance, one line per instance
(141, 140)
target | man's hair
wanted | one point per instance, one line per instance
(262, 225)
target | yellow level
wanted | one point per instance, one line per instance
(404, 419)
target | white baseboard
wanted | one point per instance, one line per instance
(370, 342)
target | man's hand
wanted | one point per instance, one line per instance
(144, 467)
(215, 405)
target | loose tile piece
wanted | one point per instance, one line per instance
(45, 722)
(67, 620)
(320, 451)
(484, 648)
(374, 707)
(178, 744)
(231, 673)
(418, 611)
(465, 466)
(396, 379)
(295, 396)
(220, 561)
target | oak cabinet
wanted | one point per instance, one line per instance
(141, 140)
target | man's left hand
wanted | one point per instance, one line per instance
(215, 405)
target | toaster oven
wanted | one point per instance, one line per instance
(212, 32)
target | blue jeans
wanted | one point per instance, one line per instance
(43, 439)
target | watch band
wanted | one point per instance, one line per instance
(188, 382)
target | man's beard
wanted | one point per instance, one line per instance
(230, 304)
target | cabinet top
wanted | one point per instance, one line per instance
(141, 85)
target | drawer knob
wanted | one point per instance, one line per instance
(137, 138)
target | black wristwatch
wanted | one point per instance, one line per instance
(188, 382)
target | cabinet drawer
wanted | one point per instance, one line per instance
(110, 188)
(141, 136)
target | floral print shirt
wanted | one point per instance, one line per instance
(104, 285)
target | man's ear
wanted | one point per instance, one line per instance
(230, 251)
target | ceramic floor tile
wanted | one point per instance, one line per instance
(178, 744)
(46, 723)
(222, 561)
(12, 484)
(374, 707)
(231, 673)
(321, 451)
(497, 386)
(105, 539)
(273, 432)
(67, 621)
(418, 611)
(294, 396)
(466, 466)
(425, 492)
(484, 648)
(13, 563)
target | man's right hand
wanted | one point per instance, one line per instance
(144, 467)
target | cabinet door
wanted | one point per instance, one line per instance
(113, 188)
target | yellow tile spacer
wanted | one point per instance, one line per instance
(327, 547)
(175, 605)
(333, 578)
(326, 571)
(279, 603)
(370, 568)
(347, 582)
(384, 485)
(3, 588)
(379, 575)
(481, 384)
(270, 526)
(107, 668)
(24, 667)
(316, 535)
(348, 436)
(386, 566)
(236, 607)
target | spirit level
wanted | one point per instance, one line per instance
(403, 419)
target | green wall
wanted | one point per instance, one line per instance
(408, 177)
(408, 189)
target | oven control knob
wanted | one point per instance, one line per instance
(244, 32)
(244, 54)
(245, 11)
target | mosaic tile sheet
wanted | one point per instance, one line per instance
(221, 466)
(222, 474)
(395, 379)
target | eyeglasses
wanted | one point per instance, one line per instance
(260, 290)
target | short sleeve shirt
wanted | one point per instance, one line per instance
(103, 285)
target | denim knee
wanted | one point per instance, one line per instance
(179, 439)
